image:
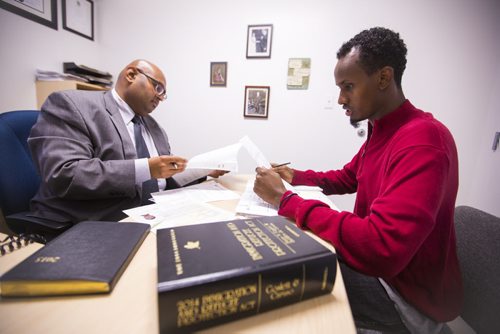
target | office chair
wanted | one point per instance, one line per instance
(19, 179)
(478, 247)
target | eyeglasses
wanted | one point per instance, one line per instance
(158, 86)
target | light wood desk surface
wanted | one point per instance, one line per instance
(132, 307)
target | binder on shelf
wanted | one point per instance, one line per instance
(71, 67)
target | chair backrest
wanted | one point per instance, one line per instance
(478, 247)
(19, 179)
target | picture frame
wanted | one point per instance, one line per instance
(218, 74)
(78, 17)
(41, 11)
(256, 102)
(259, 41)
(299, 73)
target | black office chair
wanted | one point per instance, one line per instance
(478, 247)
(19, 180)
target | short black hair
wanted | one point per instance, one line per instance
(378, 47)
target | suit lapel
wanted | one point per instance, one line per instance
(159, 139)
(121, 128)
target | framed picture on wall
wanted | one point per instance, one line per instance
(218, 74)
(78, 17)
(256, 101)
(41, 11)
(259, 41)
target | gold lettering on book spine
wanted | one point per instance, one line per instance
(325, 278)
(179, 270)
(282, 289)
(245, 243)
(277, 250)
(47, 259)
(211, 306)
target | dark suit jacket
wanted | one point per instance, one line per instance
(85, 157)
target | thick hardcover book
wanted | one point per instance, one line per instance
(209, 274)
(88, 258)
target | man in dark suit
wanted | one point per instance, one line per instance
(84, 146)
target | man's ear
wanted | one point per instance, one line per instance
(130, 74)
(386, 76)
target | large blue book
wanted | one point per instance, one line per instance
(209, 274)
(88, 258)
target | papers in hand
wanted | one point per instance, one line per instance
(224, 158)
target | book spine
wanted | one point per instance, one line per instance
(197, 307)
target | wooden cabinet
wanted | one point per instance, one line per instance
(45, 88)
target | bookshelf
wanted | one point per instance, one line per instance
(45, 88)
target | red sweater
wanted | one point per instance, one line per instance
(402, 227)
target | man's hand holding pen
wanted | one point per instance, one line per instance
(284, 171)
(268, 182)
(164, 166)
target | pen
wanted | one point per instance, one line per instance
(174, 164)
(283, 164)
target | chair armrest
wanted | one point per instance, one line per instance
(22, 222)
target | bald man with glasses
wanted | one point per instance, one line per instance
(99, 153)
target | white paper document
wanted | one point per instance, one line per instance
(254, 152)
(184, 206)
(251, 204)
(183, 213)
(225, 158)
(204, 192)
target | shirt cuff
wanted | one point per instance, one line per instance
(289, 203)
(142, 172)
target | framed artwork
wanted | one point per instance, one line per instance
(218, 74)
(259, 41)
(256, 101)
(41, 11)
(299, 72)
(78, 17)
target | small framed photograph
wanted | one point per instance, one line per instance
(78, 17)
(256, 101)
(218, 74)
(259, 41)
(41, 11)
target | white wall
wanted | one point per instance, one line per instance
(452, 72)
(26, 45)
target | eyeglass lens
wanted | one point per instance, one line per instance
(159, 89)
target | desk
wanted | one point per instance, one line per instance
(132, 307)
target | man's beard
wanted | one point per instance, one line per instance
(355, 124)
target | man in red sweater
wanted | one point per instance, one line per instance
(397, 249)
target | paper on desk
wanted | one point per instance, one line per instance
(182, 213)
(250, 203)
(204, 192)
(191, 213)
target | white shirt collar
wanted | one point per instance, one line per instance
(125, 110)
